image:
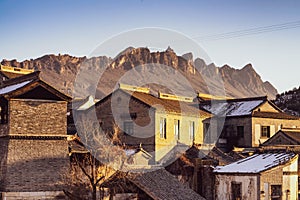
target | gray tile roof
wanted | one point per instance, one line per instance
(161, 185)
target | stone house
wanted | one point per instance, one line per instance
(157, 123)
(33, 138)
(261, 176)
(246, 122)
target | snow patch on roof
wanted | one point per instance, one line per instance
(89, 103)
(256, 163)
(14, 87)
(230, 109)
(130, 152)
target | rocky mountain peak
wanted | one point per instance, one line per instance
(60, 71)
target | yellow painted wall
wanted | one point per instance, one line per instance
(164, 145)
(266, 107)
(275, 123)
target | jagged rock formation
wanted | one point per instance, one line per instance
(61, 71)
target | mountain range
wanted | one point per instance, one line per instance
(144, 68)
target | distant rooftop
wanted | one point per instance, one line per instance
(13, 72)
(256, 163)
(233, 107)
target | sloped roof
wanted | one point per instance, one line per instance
(161, 185)
(256, 163)
(290, 134)
(20, 85)
(172, 106)
(274, 115)
(222, 157)
(11, 88)
(295, 135)
(233, 107)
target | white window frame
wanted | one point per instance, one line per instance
(163, 127)
(177, 129)
(192, 130)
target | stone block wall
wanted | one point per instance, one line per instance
(3, 129)
(43, 117)
(249, 186)
(3, 160)
(47, 195)
(121, 108)
(34, 165)
(231, 124)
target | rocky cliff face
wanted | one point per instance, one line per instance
(60, 71)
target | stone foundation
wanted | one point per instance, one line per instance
(33, 195)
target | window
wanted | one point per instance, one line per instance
(177, 129)
(236, 191)
(3, 114)
(192, 130)
(128, 128)
(265, 131)
(207, 133)
(240, 131)
(276, 192)
(163, 127)
(225, 132)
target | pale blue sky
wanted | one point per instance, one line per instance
(30, 29)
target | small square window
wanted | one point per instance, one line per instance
(265, 131)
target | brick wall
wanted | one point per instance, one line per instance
(273, 177)
(34, 165)
(37, 117)
(3, 160)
